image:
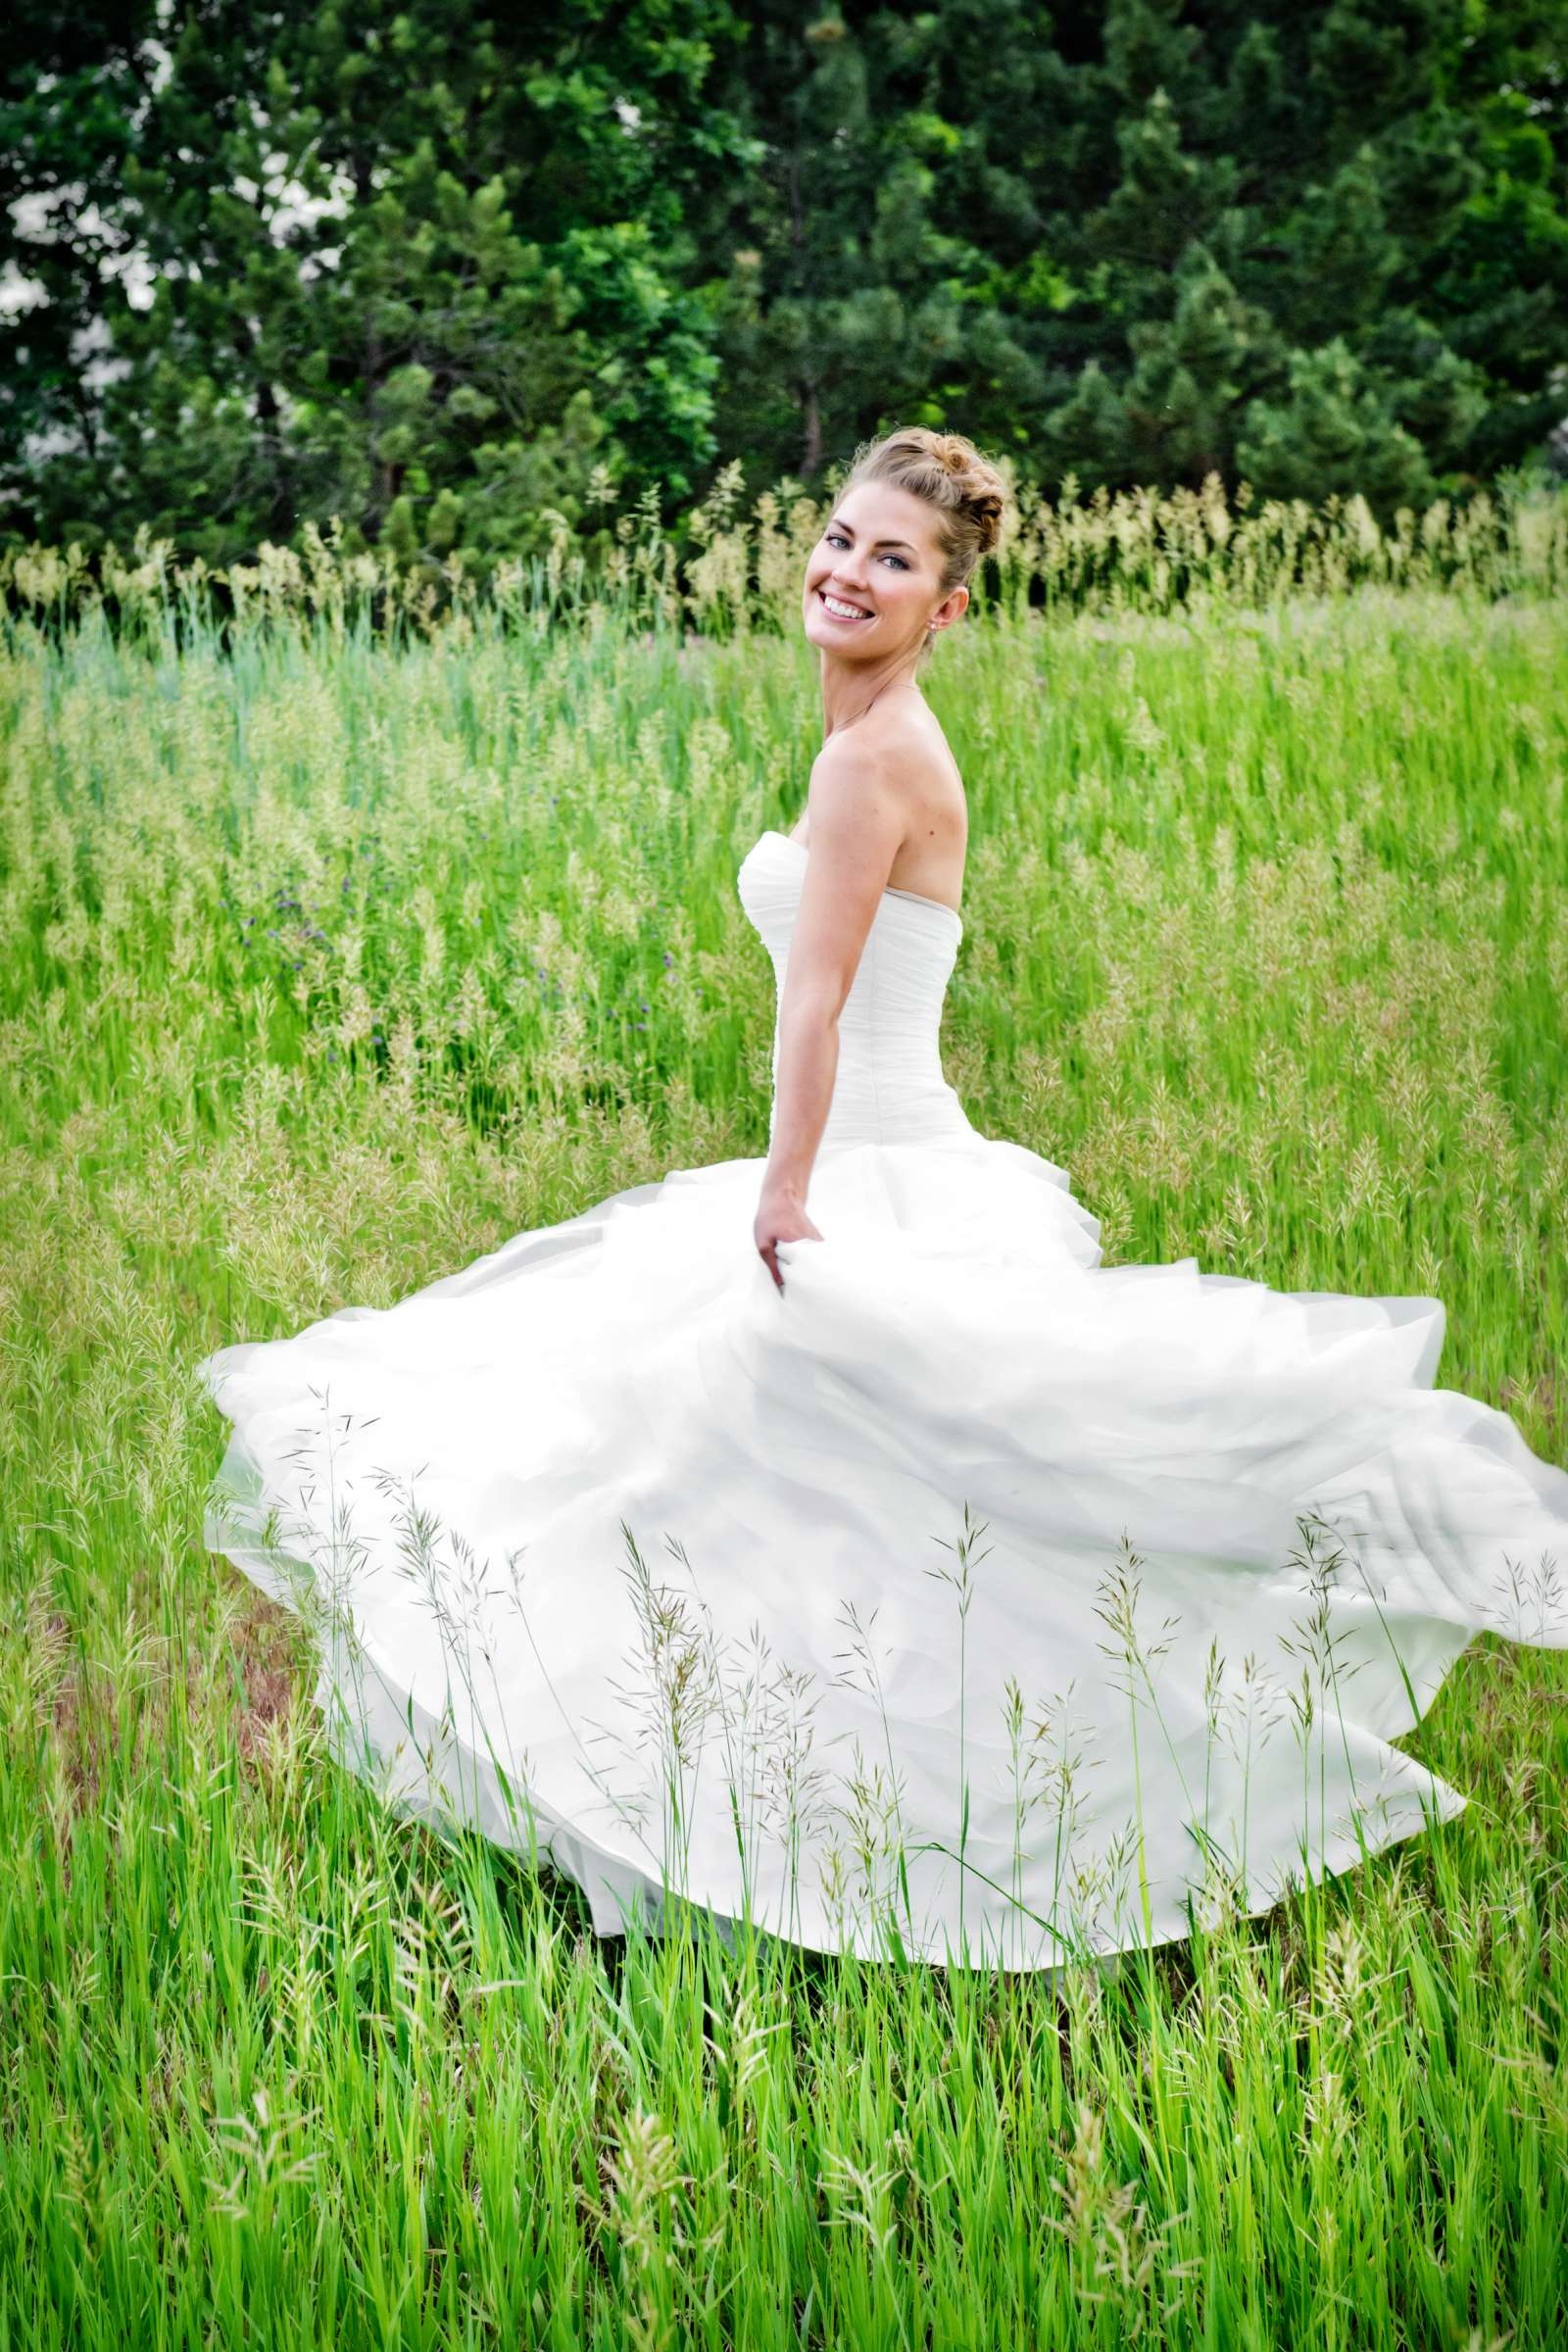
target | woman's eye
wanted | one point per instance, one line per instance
(837, 539)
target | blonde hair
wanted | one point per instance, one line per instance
(950, 473)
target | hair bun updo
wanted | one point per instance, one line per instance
(946, 471)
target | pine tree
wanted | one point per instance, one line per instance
(845, 304)
(409, 268)
(436, 272)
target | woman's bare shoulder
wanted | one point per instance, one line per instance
(903, 742)
(905, 765)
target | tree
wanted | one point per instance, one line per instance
(437, 272)
(1135, 240)
(405, 267)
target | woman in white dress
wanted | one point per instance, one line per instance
(829, 1541)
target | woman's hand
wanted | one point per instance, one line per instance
(780, 1217)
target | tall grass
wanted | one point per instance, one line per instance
(724, 568)
(330, 954)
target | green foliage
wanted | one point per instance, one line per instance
(1331, 429)
(442, 276)
(406, 271)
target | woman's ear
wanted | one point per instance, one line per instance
(947, 613)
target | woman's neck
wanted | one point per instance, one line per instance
(848, 689)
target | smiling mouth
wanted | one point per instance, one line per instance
(841, 609)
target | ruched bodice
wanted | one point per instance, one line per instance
(889, 1087)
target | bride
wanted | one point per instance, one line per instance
(829, 1541)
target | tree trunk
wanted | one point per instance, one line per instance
(811, 451)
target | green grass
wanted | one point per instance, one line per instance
(324, 966)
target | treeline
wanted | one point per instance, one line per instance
(461, 279)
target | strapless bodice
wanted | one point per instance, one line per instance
(889, 1087)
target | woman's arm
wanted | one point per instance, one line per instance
(858, 818)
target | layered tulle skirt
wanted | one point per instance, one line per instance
(968, 1598)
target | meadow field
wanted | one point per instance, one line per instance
(332, 955)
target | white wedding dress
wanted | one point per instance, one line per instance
(967, 1598)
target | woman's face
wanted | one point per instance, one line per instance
(873, 580)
